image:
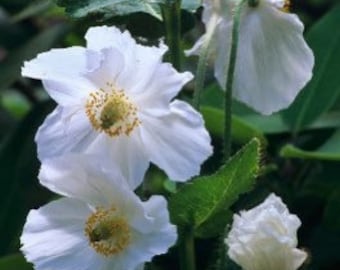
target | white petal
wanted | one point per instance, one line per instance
(61, 71)
(140, 61)
(125, 152)
(112, 65)
(178, 143)
(64, 130)
(87, 178)
(223, 43)
(195, 50)
(153, 235)
(273, 63)
(165, 83)
(264, 237)
(101, 37)
(53, 237)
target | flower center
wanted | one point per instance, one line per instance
(108, 232)
(286, 6)
(111, 112)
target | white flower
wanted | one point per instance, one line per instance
(102, 225)
(273, 61)
(115, 99)
(264, 238)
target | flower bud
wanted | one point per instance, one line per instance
(264, 237)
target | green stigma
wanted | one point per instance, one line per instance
(111, 113)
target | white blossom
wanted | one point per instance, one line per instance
(100, 225)
(265, 237)
(115, 99)
(273, 60)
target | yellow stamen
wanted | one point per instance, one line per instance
(111, 112)
(108, 232)
(286, 6)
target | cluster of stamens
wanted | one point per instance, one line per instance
(286, 6)
(108, 233)
(111, 111)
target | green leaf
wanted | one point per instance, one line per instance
(242, 132)
(204, 203)
(15, 103)
(324, 88)
(10, 67)
(274, 124)
(110, 8)
(14, 262)
(19, 188)
(330, 150)
(107, 9)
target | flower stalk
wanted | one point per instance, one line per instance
(230, 81)
(171, 12)
(187, 249)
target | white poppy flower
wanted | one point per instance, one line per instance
(273, 60)
(102, 225)
(265, 238)
(115, 98)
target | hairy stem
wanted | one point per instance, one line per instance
(230, 81)
(187, 249)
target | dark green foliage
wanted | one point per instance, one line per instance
(204, 203)
(323, 91)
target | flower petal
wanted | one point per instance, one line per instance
(64, 130)
(273, 61)
(265, 237)
(164, 85)
(125, 152)
(53, 237)
(88, 179)
(61, 71)
(108, 73)
(141, 61)
(153, 234)
(178, 143)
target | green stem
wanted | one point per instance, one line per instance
(187, 249)
(171, 11)
(202, 63)
(230, 81)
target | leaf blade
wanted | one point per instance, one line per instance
(205, 201)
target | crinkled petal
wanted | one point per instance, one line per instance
(61, 71)
(265, 237)
(89, 179)
(141, 61)
(153, 234)
(53, 237)
(178, 142)
(107, 76)
(298, 258)
(164, 85)
(273, 62)
(126, 152)
(64, 130)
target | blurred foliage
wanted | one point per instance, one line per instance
(105, 9)
(301, 149)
